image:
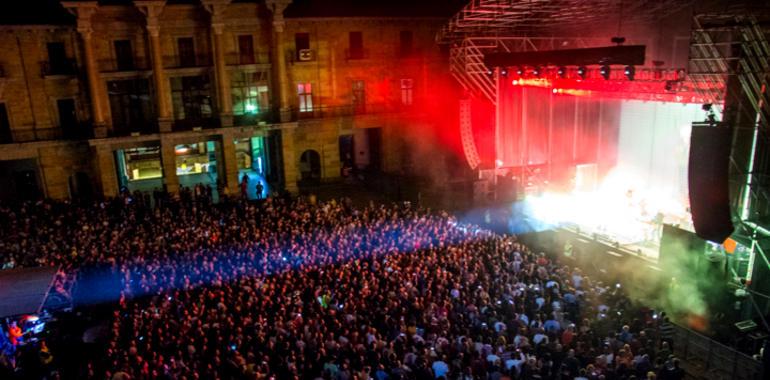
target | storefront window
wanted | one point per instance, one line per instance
(140, 163)
(196, 158)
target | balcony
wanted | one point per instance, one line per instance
(80, 131)
(356, 54)
(115, 66)
(253, 119)
(202, 60)
(66, 67)
(193, 123)
(320, 112)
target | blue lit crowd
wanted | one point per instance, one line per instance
(286, 289)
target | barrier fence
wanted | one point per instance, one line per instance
(706, 358)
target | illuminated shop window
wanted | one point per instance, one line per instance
(140, 163)
(195, 158)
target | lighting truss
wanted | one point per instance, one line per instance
(539, 17)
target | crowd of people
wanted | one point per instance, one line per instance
(285, 289)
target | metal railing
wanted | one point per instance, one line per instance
(189, 124)
(348, 110)
(354, 54)
(75, 132)
(66, 67)
(113, 65)
(705, 357)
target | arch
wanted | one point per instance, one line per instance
(310, 166)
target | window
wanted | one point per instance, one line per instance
(305, 93)
(124, 57)
(186, 51)
(407, 91)
(405, 43)
(5, 126)
(139, 163)
(246, 49)
(355, 45)
(58, 63)
(131, 106)
(250, 93)
(359, 96)
(195, 158)
(302, 45)
(68, 119)
(191, 97)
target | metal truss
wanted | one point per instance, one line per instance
(466, 60)
(542, 17)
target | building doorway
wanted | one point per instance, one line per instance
(310, 167)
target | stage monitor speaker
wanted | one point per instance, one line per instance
(708, 187)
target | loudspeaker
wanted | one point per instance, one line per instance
(707, 179)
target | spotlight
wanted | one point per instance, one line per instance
(630, 71)
(519, 71)
(555, 91)
(562, 71)
(490, 72)
(537, 71)
(605, 72)
(503, 72)
(582, 72)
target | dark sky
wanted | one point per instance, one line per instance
(20, 12)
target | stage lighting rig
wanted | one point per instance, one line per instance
(582, 72)
(519, 71)
(562, 71)
(629, 71)
(537, 71)
(503, 72)
(490, 72)
(605, 72)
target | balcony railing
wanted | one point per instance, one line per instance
(201, 60)
(190, 124)
(244, 120)
(113, 65)
(354, 54)
(79, 131)
(128, 130)
(348, 110)
(66, 67)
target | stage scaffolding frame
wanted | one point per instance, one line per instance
(484, 26)
(730, 62)
(728, 47)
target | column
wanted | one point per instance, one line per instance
(106, 171)
(84, 11)
(229, 165)
(152, 10)
(223, 81)
(216, 9)
(279, 57)
(290, 159)
(168, 161)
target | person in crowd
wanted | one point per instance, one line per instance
(286, 289)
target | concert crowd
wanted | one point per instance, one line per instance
(288, 289)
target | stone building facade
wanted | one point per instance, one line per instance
(150, 93)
